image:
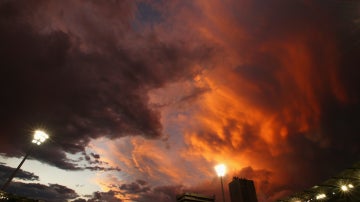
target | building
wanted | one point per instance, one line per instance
(192, 197)
(242, 190)
(343, 187)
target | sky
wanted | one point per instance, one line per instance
(141, 99)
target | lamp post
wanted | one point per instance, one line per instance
(221, 170)
(39, 138)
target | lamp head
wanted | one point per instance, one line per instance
(220, 170)
(39, 137)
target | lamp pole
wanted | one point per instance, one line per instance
(222, 188)
(39, 138)
(14, 172)
(220, 170)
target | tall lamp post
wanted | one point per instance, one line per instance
(221, 170)
(39, 138)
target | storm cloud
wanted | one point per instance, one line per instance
(5, 172)
(51, 192)
(81, 83)
(271, 88)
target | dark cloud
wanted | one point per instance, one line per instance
(79, 82)
(87, 162)
(161, 194)
(96, 156)
(141, 191)
(83, 70)
(92, 158)
(94, 163)
(100, 168)
(51, 192)
(134, 188)
(105, 196)
(5, 172)
(141, 182)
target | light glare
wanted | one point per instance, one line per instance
(320, 196)
(39, 137)
(344, 188)
(220, 170)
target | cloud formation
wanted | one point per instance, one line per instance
(51, 192)
(268, 88)
(5, 172)
(81, 83)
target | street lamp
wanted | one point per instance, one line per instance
(39, 138)
(221, 170)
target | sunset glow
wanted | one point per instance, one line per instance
(142, 98)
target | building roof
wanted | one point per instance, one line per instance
(342, 187)
(195, 197)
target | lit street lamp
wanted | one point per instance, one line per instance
(39, 138)
(221, 170)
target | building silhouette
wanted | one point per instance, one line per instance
(343, 187)
(242, 190)
(192, 197)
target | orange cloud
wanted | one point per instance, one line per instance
(266, 88)
(252, 103)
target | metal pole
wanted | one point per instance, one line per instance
(222, 188)
(14, 173)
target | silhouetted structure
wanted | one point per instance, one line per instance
(242, 190)
(192, 197)
(344, 187)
